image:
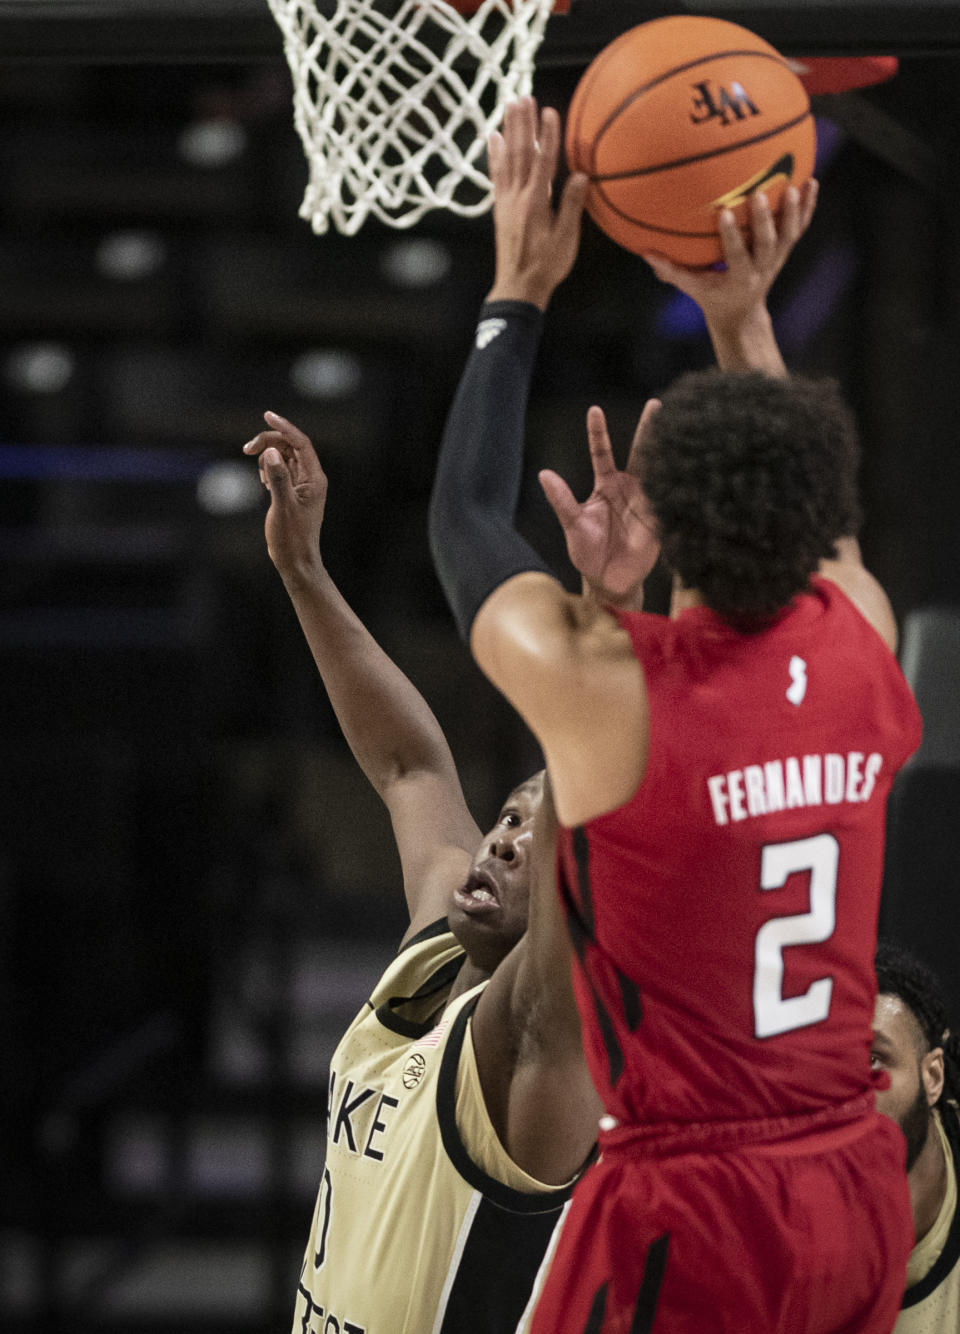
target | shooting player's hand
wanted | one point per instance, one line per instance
(731, 295)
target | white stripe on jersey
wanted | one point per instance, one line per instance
(465, 1226)
(539, 1281)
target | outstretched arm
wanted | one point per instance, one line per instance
(527, 1036)
(475, 545)
(526, 1030)
(611, 536)
(544, 648)
(394, 736)
(734, 304)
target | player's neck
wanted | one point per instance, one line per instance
(928, 1183)
(469, 976)
(681, 598)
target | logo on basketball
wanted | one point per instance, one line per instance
(719, 104)
(782, 170)
(414, 1070)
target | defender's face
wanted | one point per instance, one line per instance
(488, 914)
(897, 1048)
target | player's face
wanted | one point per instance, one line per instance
(897, 1048)
(488, 914)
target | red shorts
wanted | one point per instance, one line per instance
(800, 1233)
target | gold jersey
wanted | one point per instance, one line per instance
(423, 1224)
(931, 1303)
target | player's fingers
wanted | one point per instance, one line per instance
(530, 138)
(277, 477)
(764, 230)
(572, 201)
(735, 253)
(520, 133)
(598, 440)
(545, 166)
(790, 218)
(664, 269)
(255, 447)
(496, 153)
(808, 202)
(559, 496)
(296, 448)
(650, 410)
(292, 434)
(508, 133)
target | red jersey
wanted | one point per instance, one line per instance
(725, 917)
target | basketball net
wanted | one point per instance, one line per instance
(394, 100)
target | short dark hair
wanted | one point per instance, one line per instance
(902, 974)
(752, 479)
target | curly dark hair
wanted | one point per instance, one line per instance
(902, 974)
(752, 479)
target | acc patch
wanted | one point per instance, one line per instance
(414, 1070)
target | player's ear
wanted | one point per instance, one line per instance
(932, 1074)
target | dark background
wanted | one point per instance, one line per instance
(195, 884)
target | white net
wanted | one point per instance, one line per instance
(394, 100)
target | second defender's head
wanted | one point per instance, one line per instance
(488, 913)
(913, 1044)
(752, 480)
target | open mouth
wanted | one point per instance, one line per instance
(479, 894)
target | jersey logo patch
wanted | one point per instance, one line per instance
(488, 330)
(414, 1070)
(798, 681)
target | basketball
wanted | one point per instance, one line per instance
(678, 119)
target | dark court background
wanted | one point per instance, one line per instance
(196, 887)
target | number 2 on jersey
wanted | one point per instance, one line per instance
(773, 1012)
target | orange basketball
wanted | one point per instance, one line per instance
(682, 117)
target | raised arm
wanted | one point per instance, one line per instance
(558, 657)
(527, 1036)
(475, 545)
(526, 1030)
(391, 731)
(734, 305)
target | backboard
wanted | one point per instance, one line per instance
(159, 31)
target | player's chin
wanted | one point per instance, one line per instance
(467, 923)
(485, 936)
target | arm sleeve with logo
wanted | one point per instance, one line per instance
(472, 535)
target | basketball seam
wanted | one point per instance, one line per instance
(680, 69)
(702, 157)
(653, 227)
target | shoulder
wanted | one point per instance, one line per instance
(570, 670)
(940, 1285)
(851, 576)
(415, 982)
(545, 647)
(533, 615)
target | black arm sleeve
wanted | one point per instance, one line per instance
(474, 542)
